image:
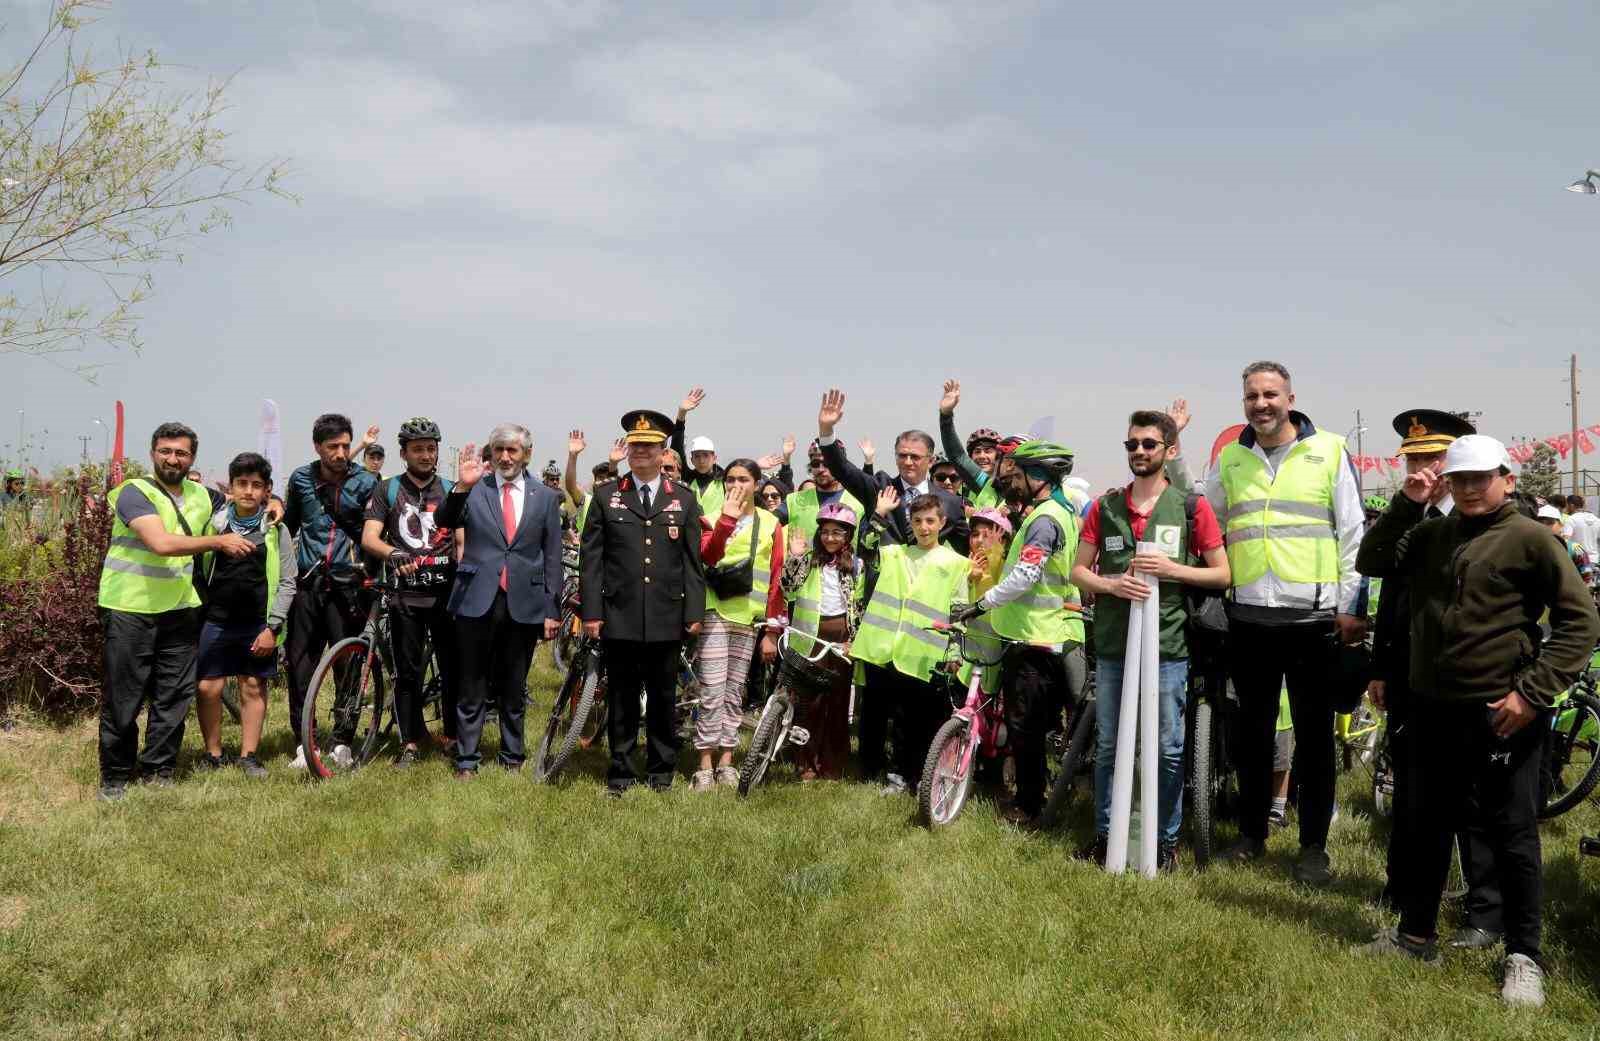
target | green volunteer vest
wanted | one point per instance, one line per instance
(807, 613)
(893, 627)
(986, 497)
(1282, 523)
(803, 507)
(271, 533)
(1168, 527)
(1051, 612)
(746, 609)
(1374, 587)
(137, 581)
(711, 499)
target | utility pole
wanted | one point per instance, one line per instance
(83, 440)
(1575, 489)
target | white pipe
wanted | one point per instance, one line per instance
(1122, 773)
(1149, 722)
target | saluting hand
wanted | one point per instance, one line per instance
(469, 466)
(1419, 486)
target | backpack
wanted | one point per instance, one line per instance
(1208, 613)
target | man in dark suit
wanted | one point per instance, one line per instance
(506, 588)
(913, 456)
(642, 585)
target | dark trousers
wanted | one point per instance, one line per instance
(632, 665)
(1483, 907)
(409, 628)
(495, 652)
(1402, 856)
(1036, 685)
(1264, 658)
(874, 708)
(322, 614)
(913, 711)
(147, 657)
(1468, 779)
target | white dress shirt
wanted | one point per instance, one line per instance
(653, 484)
(519, 493)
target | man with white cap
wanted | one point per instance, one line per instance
(704, 476)
(1551, 518)
(1481, 579)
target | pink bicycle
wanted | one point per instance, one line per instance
(977, 728)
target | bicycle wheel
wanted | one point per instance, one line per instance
(565, 646)
(775, 719)
(1383, 776)
(230, 697)
(1075, 762)
(1361, 738)
(945, 781)
(1573, 765)
(1208, 782)
(569, 717)
(345, 702)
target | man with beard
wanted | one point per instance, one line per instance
(507, 589)
(1185, 530)
(804, 504)
(151, 609)
(1292, 522)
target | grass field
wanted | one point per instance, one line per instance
(407, 905)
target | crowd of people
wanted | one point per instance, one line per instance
(676, 542)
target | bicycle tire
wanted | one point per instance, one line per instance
(358, 678)
(948, 744)
(568, 639)
(1207, 777)
(230, 697)
(1072, 764)
(1585, 715)
(568, 715)
(775, 717)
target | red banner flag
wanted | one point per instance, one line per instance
(115, 477)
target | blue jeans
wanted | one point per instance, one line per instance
(1173, 695)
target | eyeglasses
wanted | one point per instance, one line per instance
(816, 464)
(1148, 444)
(947, 478)
(909, 457)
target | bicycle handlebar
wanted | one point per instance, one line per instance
(826, 647)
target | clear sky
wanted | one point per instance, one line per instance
(551, 211)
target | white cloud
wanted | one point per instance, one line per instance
(500, 24)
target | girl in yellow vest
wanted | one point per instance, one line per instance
(822, 580)
(743, 554)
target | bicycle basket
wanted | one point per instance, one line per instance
(796, 671)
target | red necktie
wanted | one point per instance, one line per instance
(508, 514)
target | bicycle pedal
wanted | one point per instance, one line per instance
(798, 735)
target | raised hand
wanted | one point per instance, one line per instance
(830, 413)
(619, 450)
(888, 499)
(734, 501)
(691, 400)
(369, 438)
(952, 397)
(788, 446)
(869, 452)
(469, 466)
(798, 546)
(576, 443)
(1179, 411)
(1419, 487)
(770, 461)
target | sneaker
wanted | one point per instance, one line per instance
(1389, 943)
(1244, 851)
(209, 763)
(1524, 984)
(1313, 868)
(1096, 850)
(160, 780)
(1277, 818)
(408, 759)
(113, 792)
(299, 760)
(728, 777)
(1471, 938)
(894, 785)
(1334, 819)
(252, 767)
(1167, 858)
(703, 781)
(342, 758)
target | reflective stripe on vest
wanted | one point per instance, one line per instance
(894, 626)
(135, 580)
(746, 609)
(1047, 614)
(1284, 522)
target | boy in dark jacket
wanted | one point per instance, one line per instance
(1481, 579)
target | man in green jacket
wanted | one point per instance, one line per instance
(1481, 579)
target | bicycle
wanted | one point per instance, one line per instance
(1570, 767)
(1077, 747)
(776, 728)
(1211, 786)
(350, 689)
(570, 632)
(977, 727)
(1356, 734)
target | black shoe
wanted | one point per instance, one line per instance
(1167, 858)
(1095, 851)
(251, 766)
(1313, 868)
(162, 780)
(408, 759)
(1244, 851)
(1472, 938)
(617, 791)
(113, 791)
(210, 763)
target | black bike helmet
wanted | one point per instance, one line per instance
(419, 428)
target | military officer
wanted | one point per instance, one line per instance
(642, 585)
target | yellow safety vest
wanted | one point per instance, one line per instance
(137, 581)
(1051, 612)
(803, 507)
(270, 532)
(807, 613)
(894, 625)
(746, 609)
(1283, 522)
(711, 499)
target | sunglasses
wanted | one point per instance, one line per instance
(947, 478)
(1148, 444)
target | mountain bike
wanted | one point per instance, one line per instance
(350, 700)
(1570, 766)
(1210, 784)
(775, 729)
(570, 631)
(1356, 734)
(1075, 746)
(977, 728)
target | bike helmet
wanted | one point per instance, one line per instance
(981, 435)
(1375, 503)
(14, 475)
(1009, 443)
(1044, 460)
(551, 470)
(839, 513)
(996, 517)
(419, 428)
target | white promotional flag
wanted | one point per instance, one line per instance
(269, 440)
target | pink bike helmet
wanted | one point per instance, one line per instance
(839, 513)
(996, 517)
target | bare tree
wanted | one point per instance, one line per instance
(104, 173)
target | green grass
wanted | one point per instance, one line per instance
(407, 905)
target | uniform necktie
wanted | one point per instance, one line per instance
(508, 514)
(644, 497)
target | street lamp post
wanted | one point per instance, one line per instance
(102, 425)
(1586, 185)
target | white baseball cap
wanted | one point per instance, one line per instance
(701, 444)
(1475, 453)
(1549, 513)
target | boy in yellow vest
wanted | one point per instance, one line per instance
(917, 585)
